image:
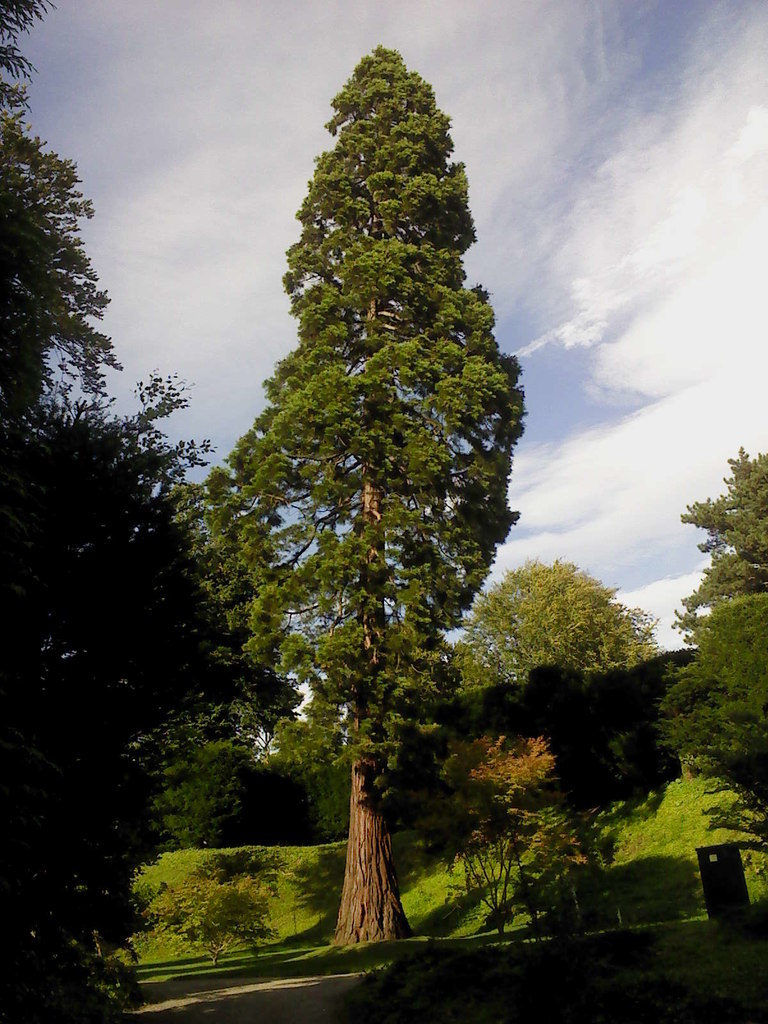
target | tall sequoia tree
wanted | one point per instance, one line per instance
(371, 493)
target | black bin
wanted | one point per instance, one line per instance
(722, 877)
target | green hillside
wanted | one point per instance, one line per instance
(303, 910)
(653, 873)
(650, 875)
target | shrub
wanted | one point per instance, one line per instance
(218, 906)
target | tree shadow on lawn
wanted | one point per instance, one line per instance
(318, 888)
(648, 890)
(194, 965)
(442, 921)
(283, 962)
(640, 808)
(267, 962)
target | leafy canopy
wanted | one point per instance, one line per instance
(554, 614)
(103, 642)
(16, 16)
(49, 295)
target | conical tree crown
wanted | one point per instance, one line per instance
(389, 175)
(371, 493)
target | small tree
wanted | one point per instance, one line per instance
(514, 840)
(212, 911)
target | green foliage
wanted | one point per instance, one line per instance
(49, 293)
(215, 795)
(48, 288)
(254, 699)
(550, 615)
(17, 16)
(102, 626)
(369, 496)
(737, 539)
(51, 761)
(222, 904)
(312, 753)
(504, 817)
(202, 793)
(716, 709)
(302, 896)
(615, 978)
(100, 611)
(602, 727)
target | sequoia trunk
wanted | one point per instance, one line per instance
(370, 907)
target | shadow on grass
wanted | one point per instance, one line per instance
(640, 808)
(442, 921)
(647, 891)
(270, 962)
(194, 966)
(284, 962)
(319, 884)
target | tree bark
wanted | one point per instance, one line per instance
(370, 909)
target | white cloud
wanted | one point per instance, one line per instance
(714, 319)
(195, 135)
(662, 599)
(679, 182)
(610, 499)
(619, 207)
(663, 259)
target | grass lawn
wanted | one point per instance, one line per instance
(650, 884)
(694, 972)
(303, 911)
(654, 874)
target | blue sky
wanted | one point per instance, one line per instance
(617, 156)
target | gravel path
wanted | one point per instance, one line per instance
(235, 1001)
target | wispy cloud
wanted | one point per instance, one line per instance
(661, 261)
(662, 600)
(617, 157)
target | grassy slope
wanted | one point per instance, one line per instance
(303, 912)
(653, 877)
(654, 874)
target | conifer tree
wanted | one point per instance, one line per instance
(371, 493)
(737, 539)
